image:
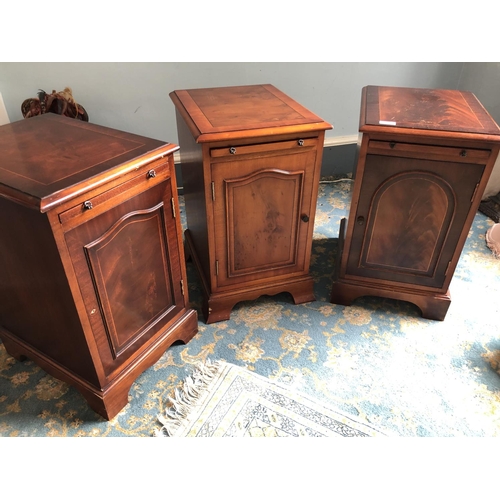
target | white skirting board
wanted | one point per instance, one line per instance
(4, 117)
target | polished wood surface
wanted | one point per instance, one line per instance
(228, 113)
(412, 218)
(251, 158)
(437, 110)
(95, 288)
(68, 158)
(424, 159)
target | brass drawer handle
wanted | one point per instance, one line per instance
(232, 151)
(463, 153)
(151, 173)
(300, 142)
(360, 220)
(305, 218)
(87, 205)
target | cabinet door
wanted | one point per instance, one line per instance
(410, 216)
(128, 269)
(263, 216)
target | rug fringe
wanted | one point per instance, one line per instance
(187, 397)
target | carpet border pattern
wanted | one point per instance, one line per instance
(220, 399)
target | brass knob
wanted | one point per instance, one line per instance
(463, 153)
(300, 142)
(305, 218)
(87, 205)
(360, 220)
(151, 173)
(232, 151)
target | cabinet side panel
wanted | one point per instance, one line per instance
(36, 303)
(191, 155)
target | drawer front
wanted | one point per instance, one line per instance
(95, 204)
(445, 153)
(232, 151)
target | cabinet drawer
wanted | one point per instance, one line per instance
(444, 153)
(93, 205)
(262, 148)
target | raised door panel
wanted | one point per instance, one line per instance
(262, 209)
(409, 219)
(127, 264)
(131, 277)
(262, 220)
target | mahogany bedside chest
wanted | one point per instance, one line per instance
(424, 159)
(93, 280)
(251, 160)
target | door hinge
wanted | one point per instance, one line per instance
(182, 287)
(216, 268)
(213, 191)
(447, 268)
(474, 193)
(173, 207)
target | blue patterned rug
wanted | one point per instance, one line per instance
(377, 360)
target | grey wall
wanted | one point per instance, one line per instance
(134, 96)
(484, 80)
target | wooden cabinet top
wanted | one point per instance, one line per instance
(226, 113)
(48, 159)
(452, 113)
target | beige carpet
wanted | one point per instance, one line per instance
(224, 400)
